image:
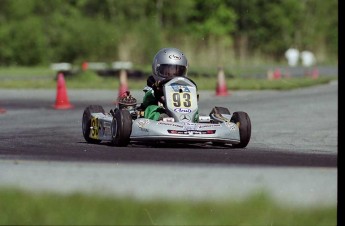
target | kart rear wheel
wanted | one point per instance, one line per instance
(121, 128)
(243, 122)
(86, 122)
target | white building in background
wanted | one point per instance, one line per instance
(292, 55)
(308, 58)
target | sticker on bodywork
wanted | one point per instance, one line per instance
(190, 126)
(231, 126)
(107, 127)
(209, 126)
(192, 132)
(143, 122)
(177, 87)
(169, 124)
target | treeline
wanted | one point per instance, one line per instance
(212, 32)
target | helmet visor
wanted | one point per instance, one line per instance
(170, 71)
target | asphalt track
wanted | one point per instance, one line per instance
(293, 147)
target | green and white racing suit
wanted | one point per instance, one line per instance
(150, 104)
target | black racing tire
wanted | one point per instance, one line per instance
(86, 122)
(243, 122)
(121, 128)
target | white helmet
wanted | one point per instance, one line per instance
(169, 63)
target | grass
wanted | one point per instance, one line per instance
(25, 71)
(23, 208)
(44, 78)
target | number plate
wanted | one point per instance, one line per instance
(183, 100)
(94, 128)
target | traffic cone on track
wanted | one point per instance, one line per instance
(221, 89)
(315, 73)
(2, 111)
(62, 101)
(277, 74)
(123, 83)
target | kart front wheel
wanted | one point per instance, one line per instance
(86, 122)
(121, 128)
(243, 122)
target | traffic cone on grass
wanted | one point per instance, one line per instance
(221, 88)
(84, 66)
(62, 101)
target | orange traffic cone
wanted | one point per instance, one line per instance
(277, 74)
(315, 73)
(221, 89)
(84, 66)
(62, 101)
(2, 111)
(123, 83)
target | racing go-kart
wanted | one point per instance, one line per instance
(126, 123)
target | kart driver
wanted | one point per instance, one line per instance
(167, 63)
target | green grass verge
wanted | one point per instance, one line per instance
(25, 71)
(41, 78)
(23, 208)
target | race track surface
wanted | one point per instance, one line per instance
(293, 148)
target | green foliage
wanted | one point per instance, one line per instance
(218, 22)
(25, 42)
(270, 26)
(36, 32)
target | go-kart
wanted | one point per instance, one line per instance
(126, 123)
